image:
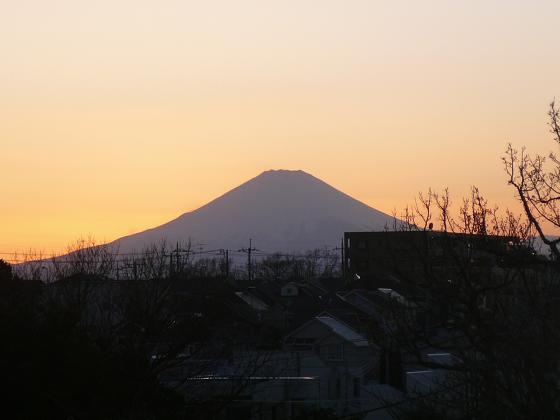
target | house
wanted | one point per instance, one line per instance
(350, 360)
(289, 289)
(264, 385)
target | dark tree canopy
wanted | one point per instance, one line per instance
(5, 270)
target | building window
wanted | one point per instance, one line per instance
(338, 387)
(300, 343)
(357, 387)
(335, 351)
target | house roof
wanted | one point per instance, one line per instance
(393, 294)
(361, 300)
(252, 301)
(343, 330)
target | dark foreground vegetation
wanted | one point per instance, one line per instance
(56, 365)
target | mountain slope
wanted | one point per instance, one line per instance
(280, 210)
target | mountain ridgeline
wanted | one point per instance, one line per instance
(280, 210)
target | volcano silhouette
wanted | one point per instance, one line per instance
(280, 210)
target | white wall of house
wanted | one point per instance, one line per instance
(346, 364)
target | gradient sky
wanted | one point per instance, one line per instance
(116, 116)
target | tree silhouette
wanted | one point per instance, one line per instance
(5, 271)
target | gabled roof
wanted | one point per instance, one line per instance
(360, 299)
(252, 301)
(342, 330)
(393, 294)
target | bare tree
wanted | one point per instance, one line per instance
(85, 257)
(536, 180)
(34, 265)
(321, 262)
(480, 294)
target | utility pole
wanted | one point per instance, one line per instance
(177, 258)
(180, 263)
(227, 264)
(177, 262)
(342, 262)
(249, 266)
(170, 263)
(225, 253)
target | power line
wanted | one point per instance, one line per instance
(91, 255)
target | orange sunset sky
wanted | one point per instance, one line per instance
(117, 116)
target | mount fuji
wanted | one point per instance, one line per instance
(280, 210)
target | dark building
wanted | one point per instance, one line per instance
(377, 259)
